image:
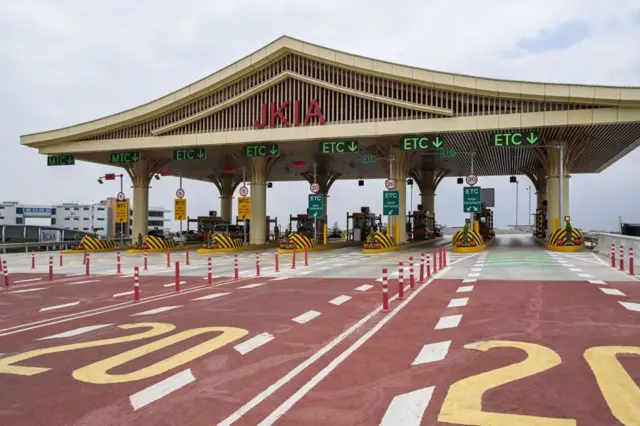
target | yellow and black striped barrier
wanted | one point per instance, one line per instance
(558, 240)
(92, 244)
(301, 241)
(156, 243)
(225, 242)
(475, 242)
(382, 241)
(385, 244)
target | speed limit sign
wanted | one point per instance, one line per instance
(244, 191)
(390, 184)
(315, 187)
(472, 180)
(121, 196)
(180, 193)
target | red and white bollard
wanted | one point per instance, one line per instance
(209, 272)
(401, 281)
(631, 261)
(428, 266)
(87, 265)
(306, 257)
(613, 255)
(61, 260)
(5, 272)
(421, 267)
(178, 277)
(168, 258)
(412, 279)
(621, 257)
(257, 264)
(186, 250)
(33, 259)
(136, 284)
(118, 266)
(277, 262)
(435, 260)
(50, 268)
(84, 257)
(145, 265)
(235, 267)
(293, 259)
(385, 291)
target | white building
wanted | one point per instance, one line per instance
(94, 218)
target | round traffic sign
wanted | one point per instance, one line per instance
(244, 191)
(315, 187)
(180, 193)
(120, 196)
(390, 184)
(472, 180)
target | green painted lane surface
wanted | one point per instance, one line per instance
(520, 259)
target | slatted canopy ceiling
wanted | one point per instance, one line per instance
(376, 103)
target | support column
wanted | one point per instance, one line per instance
(258, 166)
(541, 187)
(553, 189)
(226, 185)
(141, 173)
(399, 174)
(428, 181)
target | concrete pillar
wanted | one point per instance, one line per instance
(258, 166)
(399, 174)
(428, 190)
(553, 190)
(141, 173)
(541, 186)
(226, 208)
(226, 185)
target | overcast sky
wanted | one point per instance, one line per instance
(66, 62)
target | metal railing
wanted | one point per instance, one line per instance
(47, 246)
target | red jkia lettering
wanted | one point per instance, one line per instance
(271, 113)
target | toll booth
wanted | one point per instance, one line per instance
(485, 222)
(303, 224)
(541, 221)
(202, 225)
(361, 224)
(421, 224)
(270, 230)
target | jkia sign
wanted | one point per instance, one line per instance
(274, 114)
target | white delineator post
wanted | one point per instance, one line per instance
(621, 257)
(136, 284)
(613, 255)
(209, 272)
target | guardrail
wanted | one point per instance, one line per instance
(45, 246)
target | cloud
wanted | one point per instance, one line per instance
(65, 62)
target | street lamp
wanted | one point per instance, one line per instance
(529, 211)
(112, 176)
(514, 179)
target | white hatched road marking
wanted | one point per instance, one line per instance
(451, 321)
(585, 275)
(76, 332)
(469, 280)
(364, 287)
(456, 303)
(611, 291)
(211, 296)
(161, 389)
(66, 305)
(83, 282)
(464, 289)
(407, 409)
(173, 284)
(253, 343)
(157, 310)
(252, 285)
(340, 300)
(432, 352)
(631, 306)
(600, 282)
(306, 317)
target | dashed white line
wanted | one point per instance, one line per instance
(173, 284)
(473, 274)
(157, 310)
(339, 300)
(407, 409)
(568, 265)
(253, 343)
(469, 280)
(161, 389)
(611, 291)
(279, 279)
(306, 317)
(575, 269)
(304, 273)
(83, 282)
(30, 280)
(211, 296)
(631, 306)
(364, 287)
(600, 282)
(29, 290)
(451, 321)
(476, 269)
(585, 275)
(76, 332)
(66, 305)
(252, 285)
(432, 352)
(464, 289)
(124, 293)
(456, 303)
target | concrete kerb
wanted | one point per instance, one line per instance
(476, 249)
(323, 247)
(406, 246)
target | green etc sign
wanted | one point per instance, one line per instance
(472, 199)
(414, 143)
(61, 160)
(390, 203)
(315, 206)
(522, 138)
(190, 154)
(264, 150)
(338, 147)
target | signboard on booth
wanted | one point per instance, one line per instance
(472, 199)
(315, 206)
(122, 211)
(244, 208)
(180, 209)
(390, 203)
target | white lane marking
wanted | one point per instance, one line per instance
(124, 276)
(611, 291)
(213, 277)
(568, 265)
(306, 317)
(253, 343)
(304, 273)
(246, 271)
(631, 306)
(30, 280)
(469, 280)
(211, 296)
(27, 290)
(339, 300)
(66, 305)
(279, 279)
(379, 280)
(83, 282)
(432, 352)
(464, 289)
(364, 287)
(476, 269)
(407, 409)
(575, 269)
(157, 310)
(456, 303)
(252, 285)
(124, 293)
(75, 275)
(173, 284)
(161, 389)
(585, 275)
(473, 274)
(324, 268)
(76, 332)
(448, 322)
(597, 282)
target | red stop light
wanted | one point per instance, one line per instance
(229, 169)
(110, 176)
(298, 164)
(167, 172)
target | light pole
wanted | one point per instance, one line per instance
(529, 211)
(112, 176)
(517, 182)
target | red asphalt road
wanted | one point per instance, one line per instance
(225, 379)
(567, 317)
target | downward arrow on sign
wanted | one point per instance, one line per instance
(353, 147)
(532, 138)
(437, 142)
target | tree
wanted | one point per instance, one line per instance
(335, 231)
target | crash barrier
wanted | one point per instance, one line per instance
(379, 240)
(156, 243)
(94, 244)
(298, 241)
(473, 239)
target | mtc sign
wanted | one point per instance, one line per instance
(516, 139)
(338, 147)
(422, 142)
